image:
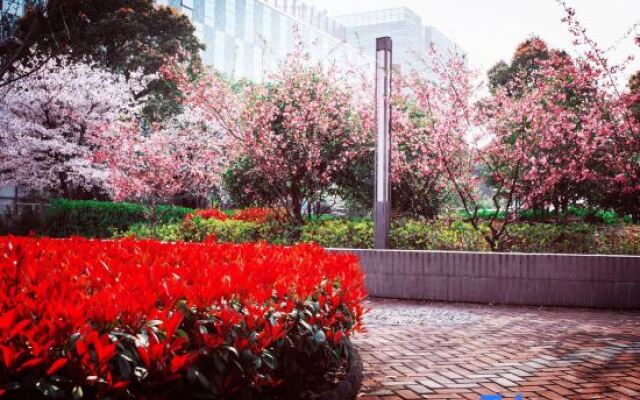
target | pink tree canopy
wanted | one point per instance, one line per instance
(299, 130)
(185, 155)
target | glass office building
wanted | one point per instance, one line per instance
(442, 44)
(410, 37)
(247, 38)
(12, 7)
(10, 12)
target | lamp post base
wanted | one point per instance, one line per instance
(382, 218)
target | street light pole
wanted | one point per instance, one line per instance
(382, 202)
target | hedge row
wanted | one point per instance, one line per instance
(103, 219)
(100, 219)
(415, 235)
(89, 319)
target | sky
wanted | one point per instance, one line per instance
(489, 30)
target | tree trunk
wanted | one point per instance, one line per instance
(296, 214)
(565, 210)
(64, 186)
(153, 218)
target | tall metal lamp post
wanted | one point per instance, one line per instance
(382, 202)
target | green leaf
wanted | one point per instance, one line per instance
(319, 336)
(233, 351)
(269, 360)
(306, 325)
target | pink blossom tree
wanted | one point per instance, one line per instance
(154, 164)
(299, 131)
(51, 122)
(432, 139)
(569, 131)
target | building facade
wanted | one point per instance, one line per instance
(442, 44)
(248, 38)
(10, 12)
(411, 39)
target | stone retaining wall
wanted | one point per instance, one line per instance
(503, 278)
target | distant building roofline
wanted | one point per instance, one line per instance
(380, 10)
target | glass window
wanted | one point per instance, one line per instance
(258, 20)
(199, 30)
(187, 11)
(219, 51)
(230, 55)
(209, 12)
(210, 41)
(267, 30)
(221, 15)
(187, 4)
(249, 62)
(275, 30)
(239, 67)
(249, 20)
(240, 17)
(231, 17)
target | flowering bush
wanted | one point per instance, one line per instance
(143, 319)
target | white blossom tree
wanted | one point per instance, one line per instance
(51, 122)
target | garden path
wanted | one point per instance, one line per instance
(426, 350)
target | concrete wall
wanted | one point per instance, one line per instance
(504, 278)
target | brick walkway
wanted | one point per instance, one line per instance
(449, 351)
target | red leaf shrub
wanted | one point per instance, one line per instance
(257, 215)
(210, 213)
(146, 319)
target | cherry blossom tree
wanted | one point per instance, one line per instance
(299, 130)
(51, 121)
(567, 137)
(547, 137)
(620, 177)
(432, 139)
(152, 164)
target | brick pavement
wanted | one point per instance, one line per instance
(453, 351)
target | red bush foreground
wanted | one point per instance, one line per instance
(147, 320)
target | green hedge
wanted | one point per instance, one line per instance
(198, 230)
(457, 235)
(575, 214)
(101, 219)
(339, 233)
(436, 235)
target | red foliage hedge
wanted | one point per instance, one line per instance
(210, 213)
(257, 215)
(144, 319)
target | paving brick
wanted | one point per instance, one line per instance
(547, 354)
